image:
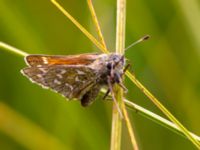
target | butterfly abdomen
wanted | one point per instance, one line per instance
(90, 96)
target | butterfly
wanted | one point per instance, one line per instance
(78, 77)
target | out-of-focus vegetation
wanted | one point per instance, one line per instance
(167, 64)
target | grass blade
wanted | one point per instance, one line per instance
(77, 24)
(12, 49)
(158, 119)
(96, 23)
(163, 109)
(25, 132)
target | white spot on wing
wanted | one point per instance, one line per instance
(39, 75)
(59, 76)
(45, 60)
(69, 86)
(56, 81)
(63, 71)
(39, 65)
(42, 69)
(80, 72)
(77, 79)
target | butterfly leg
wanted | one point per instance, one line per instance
(106, 94)
(117, 79)
(123, 87)
(126, 68)
(113, 96)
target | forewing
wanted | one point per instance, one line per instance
(71, 81)
(40, 60)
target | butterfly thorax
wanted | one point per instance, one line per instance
(109, 65)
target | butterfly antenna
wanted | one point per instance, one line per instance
(146, 37)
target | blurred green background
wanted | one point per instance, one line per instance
(168, 65)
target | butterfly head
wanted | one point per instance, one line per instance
(116, 61)
(115, 64)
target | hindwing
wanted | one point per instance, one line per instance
(72, 81)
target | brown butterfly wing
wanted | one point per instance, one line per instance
(39, 60)
(69, 80)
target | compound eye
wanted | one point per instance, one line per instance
(109, 66)
(115, 59)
